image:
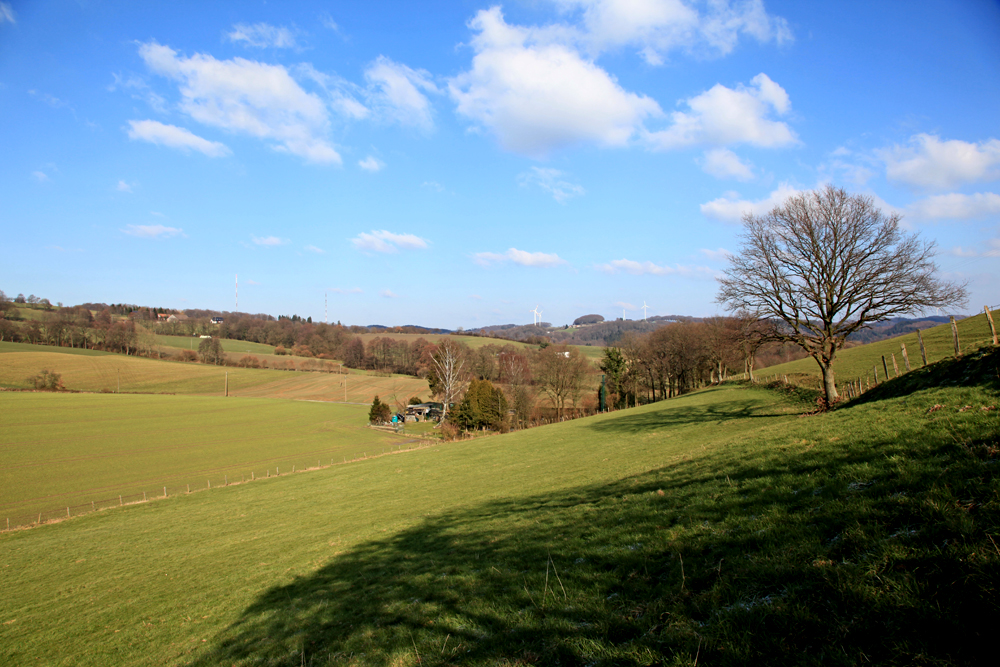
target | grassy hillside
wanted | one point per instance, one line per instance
(86, 370)
(62, 450)
(228, 345)
(717, 528)
(855, 362)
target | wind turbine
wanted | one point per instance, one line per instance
(538, 315)
(644, 309)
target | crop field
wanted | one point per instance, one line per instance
(87, 370)
(228, 345)
(855, 362)
(720, 527)
(61, 450)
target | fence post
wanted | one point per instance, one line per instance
(119, 501)
(885, 367)
(67, 512)
(923, 350)
(989, 318)
(895, 366)
(954, 334)
(164, 492)
(906, 358)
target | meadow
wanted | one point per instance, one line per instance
(236, 347)
(67, 450)
(722, 527)
(94, 371)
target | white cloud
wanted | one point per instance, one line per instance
(6, 13)
(348, 290)
(720, 254)
(172, 136)
(626, 305)
(396, 93)
(314, 249)
(139, 90)
(552, 182)
(928, 162)
(522, 257)
(248, 97)
(371, 164)
(657, 27)
(152, 231)
(123, 187)
(388, 294)
(262, 35)
(384, 241)
(722, 116)
(730, 208)
(537, 94)
(991, 248)
(723, 163)
(269, 241)
(41, 176)
(649, 268)
(956, 206)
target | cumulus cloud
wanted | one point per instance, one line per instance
(730, 208)
(522, 257)
(247, 97)
(268, 241)
(172, 136)
(649, 268)
(371, 164)
(929, 162)
(397, 93)
(388, 242)
(552, 181)
(536, 93)
(955, 206)
(657, 27)
(262, 35)
(722, 116)
(152, 231)
(723, 163)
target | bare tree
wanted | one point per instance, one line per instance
(560, 372)
(449, 362)
(827, 264)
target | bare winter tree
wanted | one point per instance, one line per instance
(826, 264)
(449, 362)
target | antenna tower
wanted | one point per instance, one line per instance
(237, 292)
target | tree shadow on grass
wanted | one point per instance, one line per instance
(842, 555)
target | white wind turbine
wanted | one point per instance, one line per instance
(644, 309)
(538, 315)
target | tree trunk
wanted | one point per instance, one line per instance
(829, 384)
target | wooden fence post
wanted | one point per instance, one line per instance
(923, 350)
(895, 366)
(885, 367)
(875, 372)
(906, 359)
(989, 318)
(954, 334)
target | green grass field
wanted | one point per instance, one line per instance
(717, 528)
(237, 347)
(87, 370)
(852, 363)
(62, 450)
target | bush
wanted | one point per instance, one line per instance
(188, 355)
(414, 400)
(280, 350)
(380, 413)
(47, 381)
(249, 361)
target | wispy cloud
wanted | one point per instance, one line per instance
(172, 136)
(731, 208)
(41, 176)
(269, 241)
(123, 187)
(371, 164)
(396, 92)
(719, 254)
(649, 268)
(385, 241)
(6, 13)
(345, 290)
(263, 35)
(314, 249)
(432, 185)
(956, 206)
(552, 181)
(388, 294)
(991, 248)
(152, 231)
(522, 257)
(723, 163)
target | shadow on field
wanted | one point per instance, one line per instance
(854, 553)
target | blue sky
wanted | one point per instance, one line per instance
(457, 164)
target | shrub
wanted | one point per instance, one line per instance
(414, 400)
(280, 350)
(249, 361)
(47, 381)
(380, 413)
(188, 355)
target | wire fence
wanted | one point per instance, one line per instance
(52, 514)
